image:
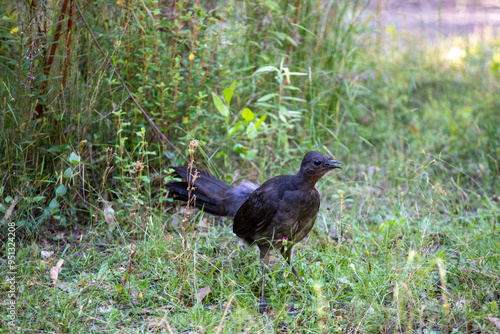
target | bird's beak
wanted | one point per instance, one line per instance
(332, 164)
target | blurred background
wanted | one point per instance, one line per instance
(477, 20)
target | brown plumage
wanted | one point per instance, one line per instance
(283, 208)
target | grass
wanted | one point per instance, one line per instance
(422, 259)
(407, 238)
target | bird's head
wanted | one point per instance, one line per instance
(315, 165)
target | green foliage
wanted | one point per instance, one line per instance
(249, 132)
(173, 56)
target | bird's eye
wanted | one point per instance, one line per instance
(317, 162)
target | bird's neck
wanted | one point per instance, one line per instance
(306, 181)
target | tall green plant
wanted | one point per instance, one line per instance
(243, 140)
(317, 39)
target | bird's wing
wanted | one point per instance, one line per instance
(259, 209)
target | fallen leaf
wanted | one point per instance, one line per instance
(54, 271)
(109, 214)
(62, 286)
(105, 308)
(46, 254)
(203, 292)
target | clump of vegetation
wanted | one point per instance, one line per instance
(406, 240)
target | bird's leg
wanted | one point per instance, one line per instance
(287, 254)
(264, 257)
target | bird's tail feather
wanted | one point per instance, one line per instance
(207, 193)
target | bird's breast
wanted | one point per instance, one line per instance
(297, 212)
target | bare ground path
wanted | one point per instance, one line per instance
(479, 19)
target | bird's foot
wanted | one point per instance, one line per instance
(263, 307)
